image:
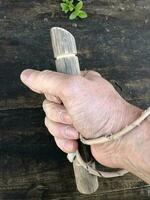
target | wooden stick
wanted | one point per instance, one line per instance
(65, 51)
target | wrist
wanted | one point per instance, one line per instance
(122, 115)
(129, 114)
(135, 150)
(114, 154)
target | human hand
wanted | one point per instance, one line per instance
(87, 105)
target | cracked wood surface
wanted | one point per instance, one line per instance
(114, 40)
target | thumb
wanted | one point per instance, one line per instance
(43, 81)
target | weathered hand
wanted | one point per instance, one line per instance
(88, 105)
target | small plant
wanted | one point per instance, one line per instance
(74, 10)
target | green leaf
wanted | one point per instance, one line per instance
(77, 12)
(79, 5)
(74, 8)
(71, 6)
(82, 14)
(64, 7)
(68, 1)
(73, 15)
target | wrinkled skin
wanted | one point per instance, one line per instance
(88, 105)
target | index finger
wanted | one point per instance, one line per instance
(43, 81)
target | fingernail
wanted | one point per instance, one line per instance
(71, 133)
(26, 74)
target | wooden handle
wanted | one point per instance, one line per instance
(64, 47)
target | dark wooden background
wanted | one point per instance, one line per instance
(114, 40)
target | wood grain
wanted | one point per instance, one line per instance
(113, 40)
(65, 52)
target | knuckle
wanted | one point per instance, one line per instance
(52, 98)
(44, 75)
(48, 96)
(59, 143)
(71, 84)
(47, 125)
(53, 112)
(44, 105)
(58, 113)
(94, 73)
(66, 130)
(45, 72)
(45, 122)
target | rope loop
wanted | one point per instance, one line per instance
(103, 139)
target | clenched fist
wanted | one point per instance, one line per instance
(87, 105)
